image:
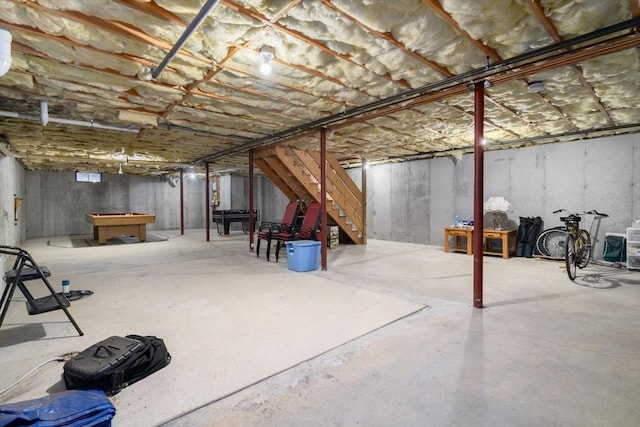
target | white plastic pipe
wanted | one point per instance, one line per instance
(67, 121)
(92, 124)
(44, 113)
(5, 51)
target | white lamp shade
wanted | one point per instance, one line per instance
(496, 204)
(5, 51)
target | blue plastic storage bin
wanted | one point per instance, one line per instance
(303, 255)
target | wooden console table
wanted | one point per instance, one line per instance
(507, 238)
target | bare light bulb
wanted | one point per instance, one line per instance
(265, 68)
(267, 54)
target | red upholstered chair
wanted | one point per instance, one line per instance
(308, 230)
(267, 229)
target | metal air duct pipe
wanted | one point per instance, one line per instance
(204, 11)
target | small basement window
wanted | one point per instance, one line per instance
(88, 177)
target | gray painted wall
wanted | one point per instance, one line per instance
(56, 204)
(409, 202)
(414, 201)
(12, 232)
(11, 185)
(269, 199)
(234, 194)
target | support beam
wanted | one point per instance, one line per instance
(181, 201)
(365, 167)
(207, 204)
(323, 197)
(478, 212)
(251, 221)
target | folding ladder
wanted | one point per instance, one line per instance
(24, 269)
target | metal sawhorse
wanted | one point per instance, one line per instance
(25, 268)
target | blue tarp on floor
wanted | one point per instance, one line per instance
(73, 408)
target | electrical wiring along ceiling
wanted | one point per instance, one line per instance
(388, 79)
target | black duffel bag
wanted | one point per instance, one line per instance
(115, 363)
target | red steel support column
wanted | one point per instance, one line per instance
(323, 197)
(181, 201)
(365, 166)
(207, 205)
(251, 222)
(478, 224)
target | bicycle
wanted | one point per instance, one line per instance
(577, 245)
(551, 243)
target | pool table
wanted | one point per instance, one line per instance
(110, 225)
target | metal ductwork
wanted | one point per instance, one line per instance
(204, 12)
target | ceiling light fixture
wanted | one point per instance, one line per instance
(535, 87)
(5, 51)
(267, 54)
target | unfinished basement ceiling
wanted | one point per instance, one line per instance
(388, 79)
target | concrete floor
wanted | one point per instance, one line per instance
(386, 337)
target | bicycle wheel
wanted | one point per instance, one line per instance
(540, 248)
(584, 254)
(570, 256)
(551, 243)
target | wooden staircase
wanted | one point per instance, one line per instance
(297, 174)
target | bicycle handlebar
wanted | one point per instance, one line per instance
(591, 212)
(596, 213)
